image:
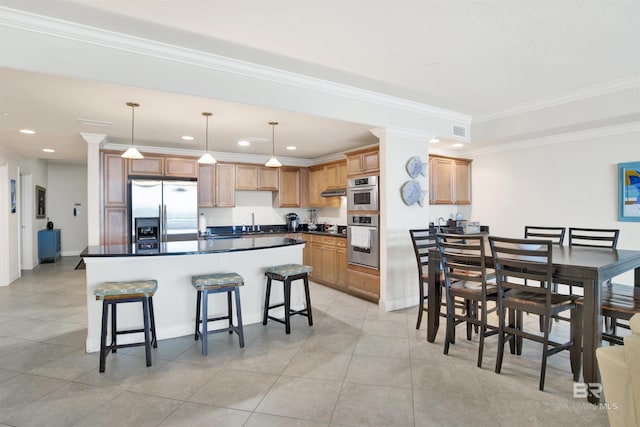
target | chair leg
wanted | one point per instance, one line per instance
(114, 335)
(519, 326)
(154, 339)
(420, 304)
(147, 330)
(198, 301)
(450, 324)
(308, 298)
(469, 313)
(266, 301)
(501, 318)
(287, 305)
(205, 315)
(103, 335)
(239, 315)
(545, 350)
(483, 332)
(230, 312)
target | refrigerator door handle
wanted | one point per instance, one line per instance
(160, 218)
(164, 220)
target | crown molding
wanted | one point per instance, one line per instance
(399, 133)
(630, 82)
(556, 139)
(49, 26)
(93, 138)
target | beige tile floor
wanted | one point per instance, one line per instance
(356, 366)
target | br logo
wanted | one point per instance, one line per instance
(584, 390)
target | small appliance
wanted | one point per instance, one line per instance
(293, 221)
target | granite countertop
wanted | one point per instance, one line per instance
(225, 232)
(190, 247)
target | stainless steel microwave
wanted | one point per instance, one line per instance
(362, 194)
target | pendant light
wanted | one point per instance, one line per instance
(206, 158)
(273, 162)
(132, 152)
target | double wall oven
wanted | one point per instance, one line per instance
(363, 246)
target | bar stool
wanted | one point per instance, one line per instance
(286, 274)
(114, 293)
(213, 284)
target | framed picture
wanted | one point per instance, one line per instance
(41, 202)
(629, 191)
(12, 189)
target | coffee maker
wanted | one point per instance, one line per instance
(293, 221)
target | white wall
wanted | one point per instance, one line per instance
(9, 224)
(67, 185)
(565, 184)
(38, 169)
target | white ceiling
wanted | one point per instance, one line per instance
(473, 57)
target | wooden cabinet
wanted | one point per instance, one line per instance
(289, 188)
(364, 162)
(114, 180)
(335, 175)
(450, 181)
(328, 257)
(178, 167)
(363, 283)
(216, 185)
(317, 185)
(254, 177)
(114, 231)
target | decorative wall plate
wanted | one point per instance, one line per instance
(416, 167)
(412, 192)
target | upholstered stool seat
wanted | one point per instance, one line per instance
(212, 284)
(113, 293)
(286, 274)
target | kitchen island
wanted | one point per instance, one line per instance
(172, 264)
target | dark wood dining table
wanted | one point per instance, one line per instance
(587, 267)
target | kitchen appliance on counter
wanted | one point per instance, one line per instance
(293, 221)
(173, 202)
(362, 194)
(363, 247)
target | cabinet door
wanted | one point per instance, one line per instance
(342, 175)
(307, 253)
(268, 179)
(186, 168)
(354, 164)
(316, 186)
(331, 176)
(462, 182)
(114, 180)
(317, 262)
(366, 285)
(441, 180)
(225, 185)
(115, 226)
(289, 193)
(246, 177)
(206, 186)
(147, 166)
(341, 264)
(370, 162)
(329, 264)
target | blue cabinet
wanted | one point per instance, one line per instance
(48, 245)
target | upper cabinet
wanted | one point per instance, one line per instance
(317, 184)
(289, 194)
(335, 175)
(254, 177)
(216, 185)
(450, 181)
(114, 180)
(363, 162)
(164, 166)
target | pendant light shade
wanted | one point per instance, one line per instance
(206, 158)
(273, 162)
(132, 152)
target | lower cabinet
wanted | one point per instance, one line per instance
(363, 283)
(328, 257)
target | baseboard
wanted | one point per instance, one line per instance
(70, 253)
(399, 304)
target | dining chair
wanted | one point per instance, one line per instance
(465, 274)
(618, 302)
(593, 237)
(555, 234)
(423, 240)
(515, 261)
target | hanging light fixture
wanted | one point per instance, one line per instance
(273, 162)
(132, 152)
(207, 158)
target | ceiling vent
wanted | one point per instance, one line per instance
(460, 131)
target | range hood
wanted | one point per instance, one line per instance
(334, 193)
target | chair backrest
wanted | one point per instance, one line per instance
(423, 240)
(555, 234)
(593, 237)
(520, 261)
(463, 258)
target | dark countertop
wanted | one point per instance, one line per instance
(190, 247)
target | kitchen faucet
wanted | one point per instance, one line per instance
(439, 225)
(253, 221)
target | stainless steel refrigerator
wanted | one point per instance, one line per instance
(174, 202)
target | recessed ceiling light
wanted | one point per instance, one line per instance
(244, 143)
(291, 147)
(48, 150)
(458, 145)
(434, 140)
(187, 138)
(27, 131)
(6, 113)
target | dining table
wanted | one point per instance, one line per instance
(579, 266)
